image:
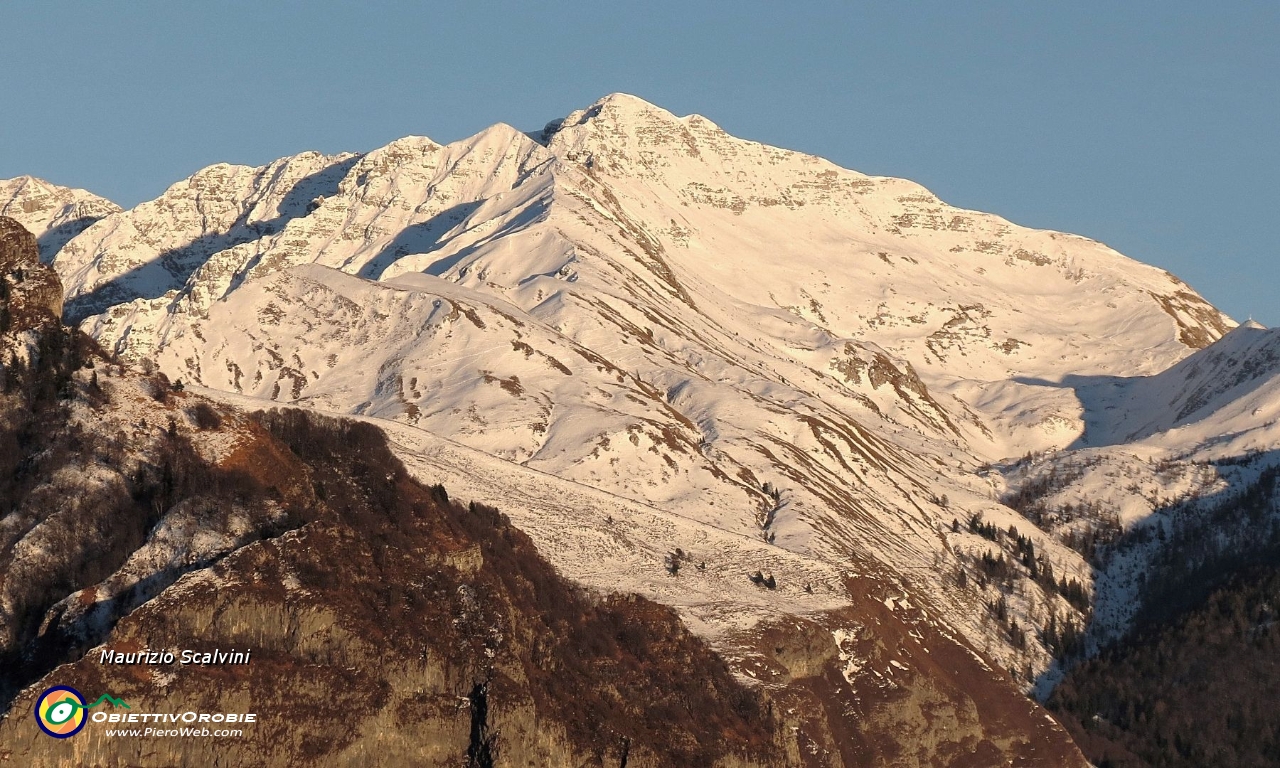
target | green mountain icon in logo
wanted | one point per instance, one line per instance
(74, 706)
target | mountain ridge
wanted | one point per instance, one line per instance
(841, 367)
(534, 237)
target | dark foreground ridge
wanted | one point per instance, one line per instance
(1194, 683)
(394, 617)
(1197, 691)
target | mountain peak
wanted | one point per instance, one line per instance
(499, 133)
(1244, 334)
(52, 213)
(625, 102)
(613, 104)
(618, 109)
(26, 187)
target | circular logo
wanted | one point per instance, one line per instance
(60, 712)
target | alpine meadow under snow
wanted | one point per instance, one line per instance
(732, 378)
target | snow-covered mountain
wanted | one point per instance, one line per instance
(138, 513)
(712, 345)
(53, 214)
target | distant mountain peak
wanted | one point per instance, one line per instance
(52, 213)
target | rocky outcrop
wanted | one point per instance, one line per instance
(30, 292)
(879, 684)
(16, 244)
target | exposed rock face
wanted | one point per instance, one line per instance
(16, 245)
(30, 292)
(878, 684)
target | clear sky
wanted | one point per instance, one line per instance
(1151, 126)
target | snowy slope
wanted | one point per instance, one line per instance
(53, 214)
(152, 249)
(1221, 394)
(752, 340)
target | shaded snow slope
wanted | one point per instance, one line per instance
(1221, 394)
(1160, 453)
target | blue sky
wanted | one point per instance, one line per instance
(1150, 126)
